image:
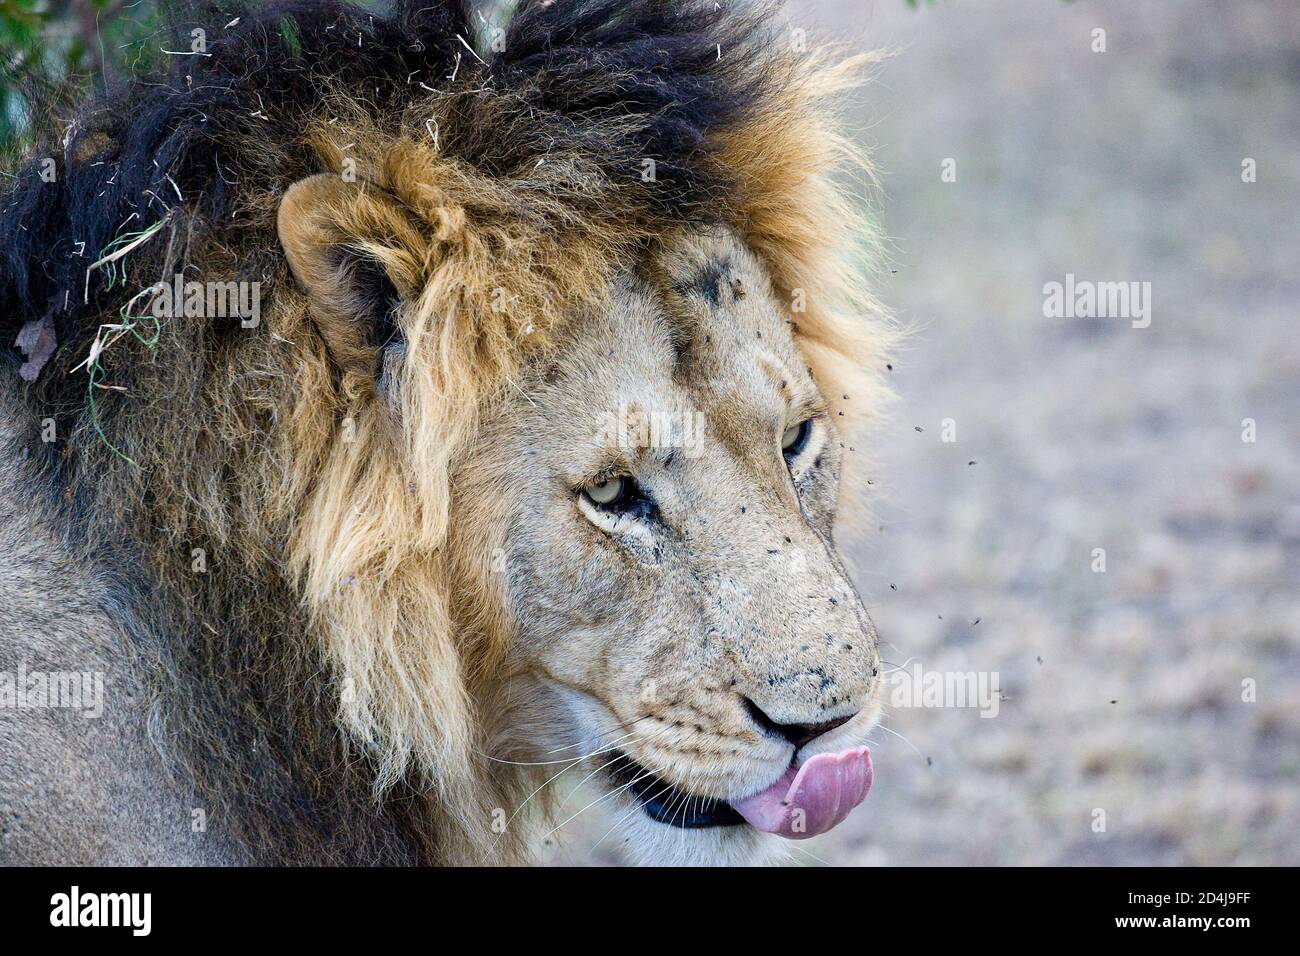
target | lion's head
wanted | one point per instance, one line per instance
(658, 500)
(535, 459)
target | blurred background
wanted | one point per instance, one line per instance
(1164, 691)
(1123, 689)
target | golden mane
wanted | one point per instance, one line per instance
(485, 241)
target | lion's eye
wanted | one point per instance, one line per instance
(795, 438)
(608, 492)
(611, 502)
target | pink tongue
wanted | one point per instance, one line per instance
(811, 799)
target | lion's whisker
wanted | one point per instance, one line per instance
(617, 823)
(527, 799)
(684, 799)
(578, 785)
(569, 764)
(546, 783)
(900, 737)
(896, 667)
(600, 799)
(569, 760)
(603, 733)
(686, 805)
(809, 853)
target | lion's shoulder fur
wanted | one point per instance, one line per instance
(77, 789)
(525, 173)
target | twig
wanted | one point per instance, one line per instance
(140, 240)
(471, 49)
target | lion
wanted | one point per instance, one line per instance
(526, 469)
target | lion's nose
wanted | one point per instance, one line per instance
(797, 734)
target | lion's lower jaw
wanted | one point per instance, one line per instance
(641, 841)
(656, 844)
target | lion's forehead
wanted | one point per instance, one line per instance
(699, 328)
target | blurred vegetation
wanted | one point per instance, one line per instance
(54, 51)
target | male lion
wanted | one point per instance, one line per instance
(529, 460)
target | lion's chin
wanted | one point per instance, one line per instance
(644, 842)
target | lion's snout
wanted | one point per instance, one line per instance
(796, 734)
(806, 664)
(805, 701)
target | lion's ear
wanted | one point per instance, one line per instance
(359, 256)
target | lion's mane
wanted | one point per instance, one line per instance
(322, 596)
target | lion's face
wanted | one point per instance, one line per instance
(662, 488)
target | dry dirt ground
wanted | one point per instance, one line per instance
(1122, 690)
